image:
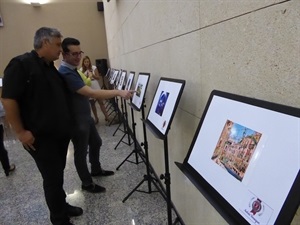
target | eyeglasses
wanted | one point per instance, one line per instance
(75, 54)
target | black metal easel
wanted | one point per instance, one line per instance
(124, 121)
(176, 93)
(167, 178)
(136, 151)
(113, 106)
(147, 177)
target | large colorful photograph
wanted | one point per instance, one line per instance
(235, 148)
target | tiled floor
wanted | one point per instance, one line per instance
(22, 200)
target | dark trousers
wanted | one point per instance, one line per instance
(86, 137)
(50, 157)
(3, 152)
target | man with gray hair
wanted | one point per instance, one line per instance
(37, 105)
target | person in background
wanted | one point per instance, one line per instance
(85, 132)
(37, 105)
(3, 152)
(91, 72)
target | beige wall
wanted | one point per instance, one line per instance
(79, 19)
(249, 48)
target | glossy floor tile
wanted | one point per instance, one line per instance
(22, 198)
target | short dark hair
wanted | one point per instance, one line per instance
(67, 42)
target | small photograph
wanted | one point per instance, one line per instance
(121, 80)
(162, 102)
(129, 81)
(107, 73)
(117, 80)
(128, 84)
(235, 148)
(139, 89)
(114, 77)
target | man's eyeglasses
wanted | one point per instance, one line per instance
(75, 54)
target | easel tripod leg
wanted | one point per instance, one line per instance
(133, 190)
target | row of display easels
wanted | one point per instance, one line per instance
(158, 121)
(238, 108)
(149, 177)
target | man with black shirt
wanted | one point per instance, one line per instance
(37, 105)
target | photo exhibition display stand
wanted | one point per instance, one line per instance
(115, 82)
(113, 106)
(105, 78)
(159, 119)
(138, 104)
(107, 86)
(245, 159)
(147, 177)
(136, 151)
(124, 117)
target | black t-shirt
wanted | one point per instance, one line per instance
(41, 93)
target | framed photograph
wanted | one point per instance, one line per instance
(108, 72)
(122, 80)
(164, 105)
(140, 90)
(114, 76)
(129, 81)
(117, 80)
(244, 158)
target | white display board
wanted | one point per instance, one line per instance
(248, 151)
(164, 103)
(140, 90)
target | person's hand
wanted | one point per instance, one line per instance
(27, 139)
(90, 74)
(127, 94)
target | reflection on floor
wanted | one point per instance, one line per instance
(22, 198)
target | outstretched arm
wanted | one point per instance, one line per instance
(104, 94)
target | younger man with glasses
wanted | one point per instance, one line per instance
(85, 133)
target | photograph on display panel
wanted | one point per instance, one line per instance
(114, 76)
(122, 80)
(235, 148)
(117, 78)
(140, 90)
(129, 81)
(111, 73)
(107, 73)
(164, 105)
(242, 149)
